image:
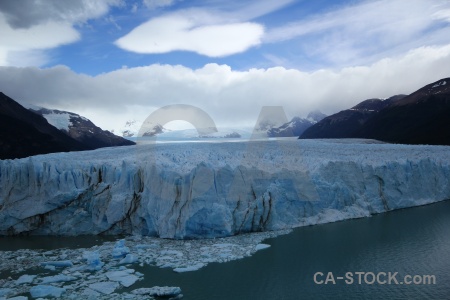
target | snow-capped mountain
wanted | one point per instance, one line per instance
(135, 128)
(130, 129)
(296, 126)
(316, 116)
(81, 128)
(24, 133)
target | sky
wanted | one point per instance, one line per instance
(115, 60)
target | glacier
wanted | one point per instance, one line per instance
(208, 190)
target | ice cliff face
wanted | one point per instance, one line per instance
(198, 190)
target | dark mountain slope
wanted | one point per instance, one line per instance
(348, 123)
(24, 133)
(420, 118)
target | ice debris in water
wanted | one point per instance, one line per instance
(25, 279)
(18, 298)
(261, 246)
(120, 250)
(106, 288)
(111, 276)
(94, 262)
(125, 277)
(158, 291)
(57, 264)
(57, 278)
(46, 291)
(129, 259)
(4, 292)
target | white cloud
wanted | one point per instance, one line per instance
(28, 28)
(26, 14)
(248, 10)
(367, 31)
(231, 97)
(152, 4)
(26, 43)
(214, 28)
(192, 31)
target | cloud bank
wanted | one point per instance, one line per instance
(230, 97)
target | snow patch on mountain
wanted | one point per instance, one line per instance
(439, 84)
(62, 121)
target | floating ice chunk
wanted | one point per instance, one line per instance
(4, 292)
(124, 277)
(93, 260)
(146, 246)
(106, 287)
(58, 264)
(129, 259)
(189, 268)
(50, 267)
(18, 298)
(159, 291)
(57, 278)
(90, 294)
(120, 250)
(25, 279)
(261, 247)
(223, 245)
(172, 252)
(46, 291)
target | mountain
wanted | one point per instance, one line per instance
(420, 118)
(193, 134)
(81, 129)
(296, 126)
(24, 133)
(348, 123)
(132, 128)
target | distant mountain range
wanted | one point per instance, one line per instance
(296, 126)
(26, 132)
(419, 118)
(132, 128)
(267, 128)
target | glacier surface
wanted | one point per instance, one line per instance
(206, 190)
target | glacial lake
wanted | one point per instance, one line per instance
(414, 241)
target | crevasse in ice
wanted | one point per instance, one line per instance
(204, 190)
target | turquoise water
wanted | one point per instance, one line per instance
(413, 241)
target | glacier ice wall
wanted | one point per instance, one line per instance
(203, 190)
